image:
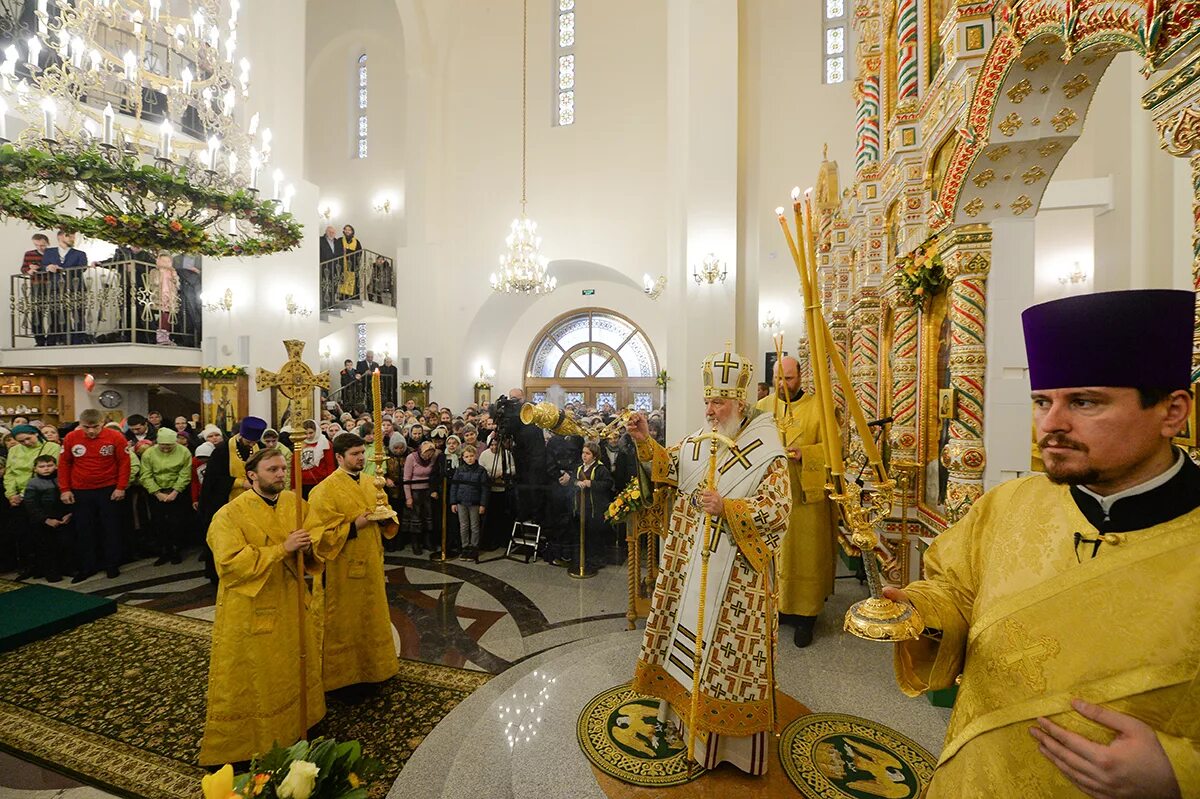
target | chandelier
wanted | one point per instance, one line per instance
(132, 128)
(710, 271)
(522, 265)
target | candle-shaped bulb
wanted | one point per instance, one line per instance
(49, 109)
(155, 9)
(164, 145)
(277, 176)
(136, 19)
(266, 139)
(233, 163)
(109, 116)
(187, 77)
(230, 47)
(214, 36)
(130, 65)
(94, 57)
(35, 48)
(253, 127)
(198, 22)
(227, 102)
(214, 144)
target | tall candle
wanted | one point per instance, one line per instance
(108, 123)
(377, 412)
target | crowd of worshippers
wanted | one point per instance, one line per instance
(92, 495)
(350, 271)
(135, 295)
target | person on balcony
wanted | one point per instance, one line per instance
(330, 264)
(389, 379)
(65, 265)
(351, 263)
(187, 271)
(31, 264)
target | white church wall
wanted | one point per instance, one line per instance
(787, 116)
(596, 188)
(337, 34)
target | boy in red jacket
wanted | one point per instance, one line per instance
(93, 473)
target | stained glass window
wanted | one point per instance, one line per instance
(593, 344)
(642, 401)
(606, 398)
(564, 79)
(539, 396)
(574, 397)
(834, 46)
(362, 106)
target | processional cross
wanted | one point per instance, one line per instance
(296, 381)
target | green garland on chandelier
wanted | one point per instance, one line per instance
(177, 208)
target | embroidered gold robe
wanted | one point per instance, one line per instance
(806, 564)
(740, 622)
(355, 622)
(253, 678)
(1030, 626)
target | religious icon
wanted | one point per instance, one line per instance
(947, 403)
(1187, 436)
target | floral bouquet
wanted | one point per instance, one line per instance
(322, 769)
(921, 275)
(633, 497)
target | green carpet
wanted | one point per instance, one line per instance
(119, 703)
(29, 613)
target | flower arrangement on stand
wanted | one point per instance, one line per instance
(662, 379)
(322, 769)
(222, 372)
(921, 275)
(636, 496)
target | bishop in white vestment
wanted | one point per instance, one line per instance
(747, 511)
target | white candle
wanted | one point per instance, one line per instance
(42, 17)
(253, 127)
(155, 8)
(94, 55)
(130, 66)
(255, 165)
(288, 194)
(266, 137)
(35, 47)
(230, 47)
(48, 110)
(186, 76)
(198, 22)
(278, 178)
(164, 143)
(233, 163)
(214, 144)
(108, 123)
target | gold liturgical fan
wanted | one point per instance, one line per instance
(874, 618)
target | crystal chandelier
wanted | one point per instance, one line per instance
(522, 266)
(131, 127)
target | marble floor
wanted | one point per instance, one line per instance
(540, 631)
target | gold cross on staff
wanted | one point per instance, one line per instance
(296, 381)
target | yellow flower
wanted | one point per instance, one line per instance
(920, 290)
(219, 784)
(354, 780)
(635, 494)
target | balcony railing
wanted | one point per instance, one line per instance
(362, 276)
(356, 393)
(127, 302)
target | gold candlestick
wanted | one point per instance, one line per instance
(383, 508)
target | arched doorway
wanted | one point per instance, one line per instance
(598, 357)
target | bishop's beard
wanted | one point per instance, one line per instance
(730, 427)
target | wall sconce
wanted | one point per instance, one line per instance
(653, 288)
(710, 271)
(382, 204)
(329, 209)
(485, 373)
(326, 353)
(770, 322)
(1077, 275)
(224, 304)
(296, 309)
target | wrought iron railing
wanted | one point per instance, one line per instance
(361, 275)
(111, 302)
(356, 394)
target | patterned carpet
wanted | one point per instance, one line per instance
(120, 702)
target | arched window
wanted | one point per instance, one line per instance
(565, 52)
(597, 357)
(362, 106)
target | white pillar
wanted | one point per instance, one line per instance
(702, 140)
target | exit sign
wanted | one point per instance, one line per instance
(588, 292)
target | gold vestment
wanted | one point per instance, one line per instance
(805, 565)
(253, 691)
(351, 601)
(1031, 625)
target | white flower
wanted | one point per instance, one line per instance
(298, 784)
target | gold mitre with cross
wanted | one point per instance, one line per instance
(727, 375)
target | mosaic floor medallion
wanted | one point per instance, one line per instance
(832, 756)
(620, 734)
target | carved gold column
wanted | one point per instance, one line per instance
(864, 353)
(905, 371)
(967, 258)
(1174, 103)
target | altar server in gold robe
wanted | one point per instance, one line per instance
(806, 564)
(1069, 602)
(749, 507)
(253, 679)
(352, 601)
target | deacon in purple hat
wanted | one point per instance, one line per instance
(225, 475)
(1066, 605)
